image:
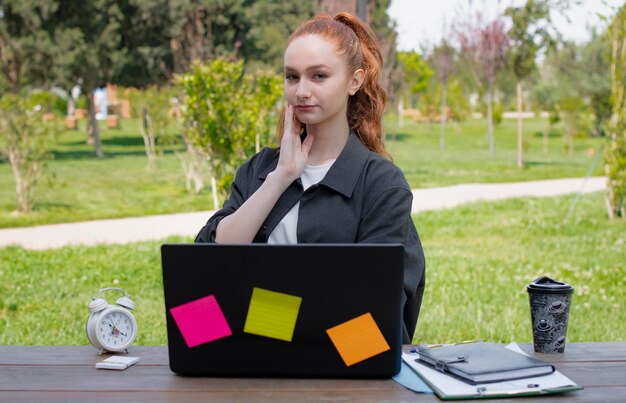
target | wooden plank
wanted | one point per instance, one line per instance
(66, 373)
(220, 396)
(157, 355)
(605, 351)
(159, 378)
(609, 395)
(75, 355)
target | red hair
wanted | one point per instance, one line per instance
(357, 42)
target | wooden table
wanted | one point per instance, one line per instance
(67, 373)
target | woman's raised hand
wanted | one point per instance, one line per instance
(293, 151)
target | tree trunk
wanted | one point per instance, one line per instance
(545, 136)
(147, 132)
(24, 173)
(520, 139)
(216, 205)
(71, 104)
(442, 140)
(93, 134)
(490, 139)
(400, 113)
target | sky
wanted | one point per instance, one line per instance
(421, 22)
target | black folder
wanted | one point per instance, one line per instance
(483, 362)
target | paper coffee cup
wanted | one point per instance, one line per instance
(549, 311)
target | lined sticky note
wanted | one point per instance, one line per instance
(201, 321)
(358, 339)
(272, 314)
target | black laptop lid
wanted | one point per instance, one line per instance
(284, 310)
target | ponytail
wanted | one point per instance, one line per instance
(357, 42)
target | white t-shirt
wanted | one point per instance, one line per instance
(286, 230)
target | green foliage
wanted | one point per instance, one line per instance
(224, 112)
(152, 107)
(576, 118)
(25, 142)
(596, 80)
(456, 101)
(528, 34)
(263, 44)
(615, 153)
(497, 111)
(499, 246)
(50, 102)
(416, 71)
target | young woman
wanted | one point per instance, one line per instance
(330, 181)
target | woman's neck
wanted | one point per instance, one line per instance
(329, 141)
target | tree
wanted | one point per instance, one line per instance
(64, 44)
(544, 96)
(385, 30)
(201, 30)
(443, 59)
(483, 47)
(90, 50)
(25, 142)
(565, 77)
(416, 74)
(615, 153)
(530, 32)
(263, 44)
(222, 115)
(152, 108)
(23, 39)
(596, 82)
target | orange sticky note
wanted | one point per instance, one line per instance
(358, 339)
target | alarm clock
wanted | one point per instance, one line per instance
(111, 327)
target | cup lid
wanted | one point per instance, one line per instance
(547, 285)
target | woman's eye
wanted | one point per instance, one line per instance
(291, 77)
(319, 76)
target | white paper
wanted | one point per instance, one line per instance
(117, 362)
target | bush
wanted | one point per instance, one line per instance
(227, 115)
(25, 141)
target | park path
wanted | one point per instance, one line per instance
(125, 230)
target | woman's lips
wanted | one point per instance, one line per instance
(305, 107)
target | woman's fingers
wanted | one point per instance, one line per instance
(288, 128)
(306, 146)
(294, 152)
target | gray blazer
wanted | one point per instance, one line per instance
(363, 198)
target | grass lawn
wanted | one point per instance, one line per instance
(479, 258)
(80, 187)
(466, 157)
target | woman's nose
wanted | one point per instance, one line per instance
(302, 89)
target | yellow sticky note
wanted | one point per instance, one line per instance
(272, 314)
(358, 339)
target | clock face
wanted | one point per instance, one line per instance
(116, 329)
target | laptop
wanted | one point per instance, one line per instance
(305, 310)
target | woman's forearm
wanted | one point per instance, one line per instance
(243, 224)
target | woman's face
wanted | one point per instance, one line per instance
(317, 80)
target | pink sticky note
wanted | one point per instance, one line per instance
(201, 321)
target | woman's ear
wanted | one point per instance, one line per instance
(356, 81)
